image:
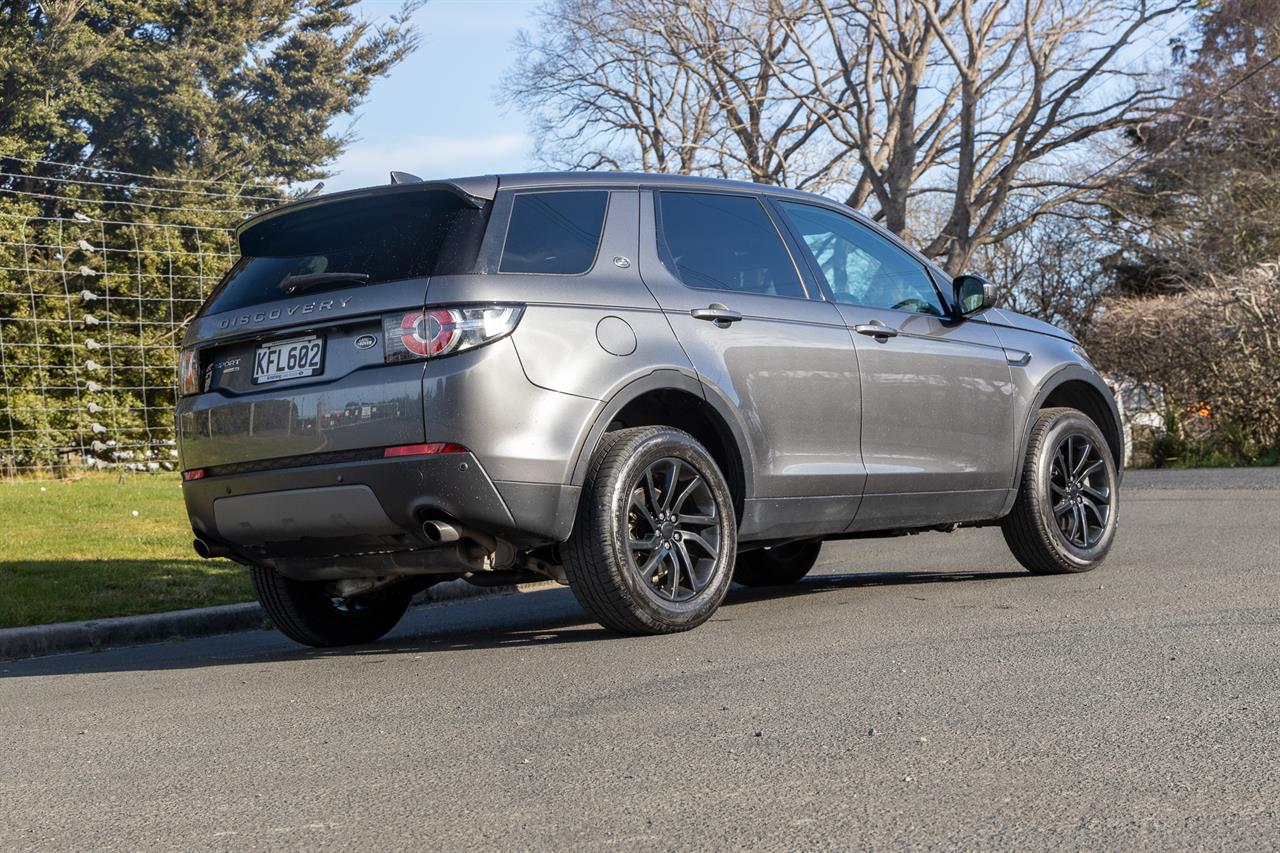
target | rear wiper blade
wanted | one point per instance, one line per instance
(295, 283)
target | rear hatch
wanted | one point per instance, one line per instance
(288, 357)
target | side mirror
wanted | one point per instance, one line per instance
(973, 293)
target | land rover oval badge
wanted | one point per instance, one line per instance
(365, 341)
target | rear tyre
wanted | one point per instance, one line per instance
(308, 612)
(1064, 518)
(653, 545)
(777, 566)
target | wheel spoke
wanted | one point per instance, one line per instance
(674, 574)
(698, 520)
(1057, 490)
(637, 503)
(1061, 507)
(651, 492)
(696, 539)
(1091, 470)
(1097, 512)
(1078, 526)
(646, 544)
(1103, 494)
(669, 492)
(1082, 459)
(688, 490)
(1060, 458)
(646, 571)
(683, 553)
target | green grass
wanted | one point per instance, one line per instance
(75, 550)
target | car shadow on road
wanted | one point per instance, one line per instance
(520, 620)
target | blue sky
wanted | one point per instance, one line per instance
(436, 114)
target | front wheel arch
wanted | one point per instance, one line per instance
(1071, 387)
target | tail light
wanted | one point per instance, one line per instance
(188, 372)
(437, 332)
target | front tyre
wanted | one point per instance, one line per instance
(653, 545)
(1064, 518)
(310, 613)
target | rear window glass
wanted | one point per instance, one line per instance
(554, 232)
(348, 244)
(725, 242)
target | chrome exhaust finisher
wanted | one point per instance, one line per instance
(440, 531)
(209, 550)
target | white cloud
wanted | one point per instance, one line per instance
(368, 162)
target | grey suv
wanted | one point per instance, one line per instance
(643, 386)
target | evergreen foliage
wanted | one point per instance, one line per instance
(134, 136)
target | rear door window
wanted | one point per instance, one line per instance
(554, 232)
(725, 242)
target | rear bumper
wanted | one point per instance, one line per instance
(374, 505)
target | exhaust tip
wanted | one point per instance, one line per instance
(439, 531)
(202, 548)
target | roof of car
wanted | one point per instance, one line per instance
(478, 189)
(529, 180)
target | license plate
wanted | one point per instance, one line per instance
(288, 359)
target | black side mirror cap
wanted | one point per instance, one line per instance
(972, 293)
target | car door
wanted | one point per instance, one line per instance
(728, 283)
(937, 394)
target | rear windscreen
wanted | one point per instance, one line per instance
(352, 243)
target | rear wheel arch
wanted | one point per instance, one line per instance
(671, 398)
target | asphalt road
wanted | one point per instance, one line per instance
(916, 692)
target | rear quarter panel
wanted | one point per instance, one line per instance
(586, 335)
(583, 337)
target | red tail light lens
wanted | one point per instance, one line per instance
(423, 449)
(194, 474)
(188, 372)
(437, 332)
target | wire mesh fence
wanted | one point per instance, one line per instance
(98, 279)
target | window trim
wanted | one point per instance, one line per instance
(668, 260)
(820, 278)
(510, 212)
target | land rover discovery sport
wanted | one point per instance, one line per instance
(643, 386)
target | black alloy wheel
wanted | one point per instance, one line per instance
(1081, 487)
(672, 525)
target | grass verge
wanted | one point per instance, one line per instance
(97, 547)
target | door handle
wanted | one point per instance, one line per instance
(716, 313)
(876, 329)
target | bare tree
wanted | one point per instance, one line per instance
(882, 101)
(670, 86)
(1052, 269)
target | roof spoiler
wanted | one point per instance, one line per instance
(474, 191)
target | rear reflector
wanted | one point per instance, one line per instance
(193, 474)
(424, 449)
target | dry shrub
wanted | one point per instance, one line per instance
(1214, 348)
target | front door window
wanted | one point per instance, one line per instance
(860, 266)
